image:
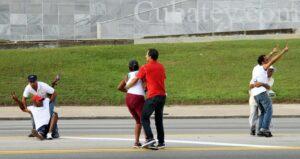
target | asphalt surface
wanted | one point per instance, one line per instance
(185, 138)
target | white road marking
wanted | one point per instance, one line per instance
(179, 142)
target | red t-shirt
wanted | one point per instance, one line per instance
(154, 74)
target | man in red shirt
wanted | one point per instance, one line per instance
(154, 75)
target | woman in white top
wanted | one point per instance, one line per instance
(134, 98)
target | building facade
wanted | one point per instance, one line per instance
(110, 19)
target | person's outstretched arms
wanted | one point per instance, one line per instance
(20, 104)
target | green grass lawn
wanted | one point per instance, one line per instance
(197, 73)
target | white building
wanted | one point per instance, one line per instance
(89, 19)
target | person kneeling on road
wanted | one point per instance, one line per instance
(41, 116)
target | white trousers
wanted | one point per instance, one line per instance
(253, 116)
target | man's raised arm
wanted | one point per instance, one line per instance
(276, 58)
(54, 82)
(273, 52)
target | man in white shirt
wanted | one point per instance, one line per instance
(260, 80)
(44, 124)
(253, 117)
(41, 89)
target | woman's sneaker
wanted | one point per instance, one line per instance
(137, 145)
(161, 146)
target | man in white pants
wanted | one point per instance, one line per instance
(253, 117)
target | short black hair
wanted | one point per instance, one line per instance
(261, 59)
(153, 53)
(133, 65)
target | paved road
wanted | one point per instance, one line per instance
(186, 138)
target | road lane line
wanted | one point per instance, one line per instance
(220, 144)
(179, 142)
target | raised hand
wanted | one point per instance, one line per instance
(276, 49)
(54, 82)
(14, 96)
(286, 49)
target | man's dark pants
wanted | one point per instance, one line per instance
(154, 104)
(51, 111)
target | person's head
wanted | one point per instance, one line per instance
(133, 65)
(152, 54)
(32, 79)
(262, 59)
(37, 100)
(271, 70)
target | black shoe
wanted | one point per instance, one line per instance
(149, 142)
(252, 132)
(260, 134)
(55, 135)
(161, 146)
(268, 134)
(264, 134)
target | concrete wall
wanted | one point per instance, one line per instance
(78, 19)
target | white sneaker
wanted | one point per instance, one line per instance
(49, 136)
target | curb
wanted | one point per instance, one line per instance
(166, 117)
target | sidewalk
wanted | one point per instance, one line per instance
(175, 111)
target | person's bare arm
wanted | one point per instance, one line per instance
(276, 58)
(24, 101)
(20, 104)
(259, 84)
(251, 86)
(52, 97)
(53, 122)
(121, 86)
(131, 83)
(55, 81)
(273, 52)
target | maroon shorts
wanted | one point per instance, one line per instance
(135, 105)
